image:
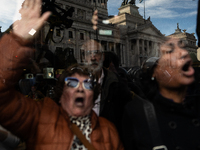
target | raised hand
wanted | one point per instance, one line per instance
(95, 19)
(31, 20)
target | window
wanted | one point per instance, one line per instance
(82, 54)
(81, 36)
(145, 51)
(140, 50)
(132, 46)
(70, 34)
(150, 43)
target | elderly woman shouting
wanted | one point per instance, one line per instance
(45, 125)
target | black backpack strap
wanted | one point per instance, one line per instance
(153, 125)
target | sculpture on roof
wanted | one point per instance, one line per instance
(125, 2)
(177, 25)
(132, 2)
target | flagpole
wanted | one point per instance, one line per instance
(144, 9)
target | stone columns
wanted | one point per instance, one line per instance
(114, 45)
(76, 50)
(127, 52)
(142, 47)
(147, 48)
(138, 51)
(107, 46)
(122, 54)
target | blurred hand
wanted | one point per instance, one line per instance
(95, 19)
(31, 20)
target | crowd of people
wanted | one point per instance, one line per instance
(96, 105)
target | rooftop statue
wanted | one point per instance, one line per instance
(132, 2)
(125, 2)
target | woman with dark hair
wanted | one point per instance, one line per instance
(68, 72)
(165, 116)
(45, 125)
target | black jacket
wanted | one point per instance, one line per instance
(179, 124)
(114, 96)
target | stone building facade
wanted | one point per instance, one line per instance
(188, 38)
(190, 43)
(128, 34)
(139, 36)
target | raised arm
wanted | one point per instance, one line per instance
(31, 20)
(17, 113)
(14, 48)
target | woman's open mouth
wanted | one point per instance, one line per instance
(186, 66)
(79, 102)
(188, 69)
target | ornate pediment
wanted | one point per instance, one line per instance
(150, 29)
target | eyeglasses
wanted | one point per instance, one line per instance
(77, 68)
(74, 83)
(94, 52)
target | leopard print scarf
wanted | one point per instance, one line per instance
(84, 125)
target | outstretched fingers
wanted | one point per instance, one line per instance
(38, 6)
(43, 18)
(94, 19)
(31, 19)
(25, 4)
(31, 4)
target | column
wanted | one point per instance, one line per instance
(122, 54)
(127, 52)
(77, 50)
(115, 47)
(96, 3)
(142, 47)
(107, 45)
(142, 56)
(147, 48)
(138, 51)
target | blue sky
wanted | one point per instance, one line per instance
(165, 14)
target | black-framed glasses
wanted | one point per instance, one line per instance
(74, 83)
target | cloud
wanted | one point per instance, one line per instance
(189, 14)
(169, 13)
(9, 12)
(169, 9)
(170, 4)
(165, 13)
(191, 29)
(160, 8)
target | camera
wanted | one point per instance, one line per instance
(48, 73)
(58, 19)
(47, 5)
(29, 76)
